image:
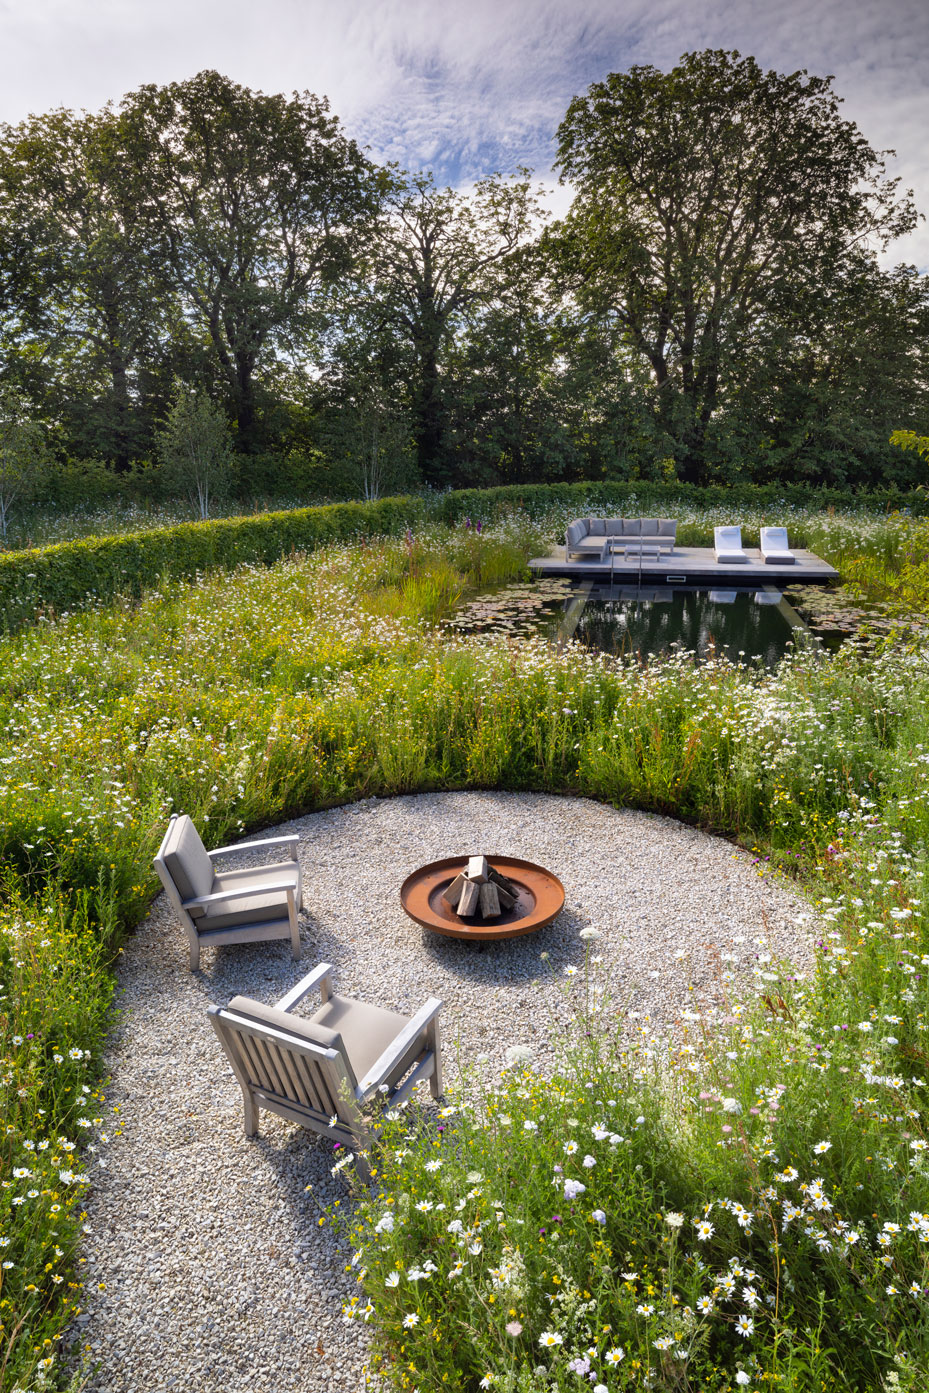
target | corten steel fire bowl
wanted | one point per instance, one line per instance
(541, 896)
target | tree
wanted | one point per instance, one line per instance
(24, 457)
(254, 204)
(88, 317)
(195, 450)
(442, 256)
(715, 204)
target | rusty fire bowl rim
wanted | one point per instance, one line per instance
(541, 898)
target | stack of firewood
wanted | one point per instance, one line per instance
(479, 889)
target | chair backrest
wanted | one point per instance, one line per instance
(287, 1058)
(774, 539)
(185, 859)
(728, 538)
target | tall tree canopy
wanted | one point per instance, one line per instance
(715, 202)
(439, 259)
(91, 317)
(253, 204)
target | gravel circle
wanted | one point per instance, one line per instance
(206, 1267)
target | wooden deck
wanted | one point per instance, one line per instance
(689, 566)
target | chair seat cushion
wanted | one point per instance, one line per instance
(254, 905)
(731, 558)
(779, 558)
(366, 1030)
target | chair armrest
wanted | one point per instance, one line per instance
(397, 1048)
(291, 840)
(321, 977)
(236, 894)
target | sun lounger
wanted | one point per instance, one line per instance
(729, 546)
(774, 547)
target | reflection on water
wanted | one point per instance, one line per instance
(742, 625)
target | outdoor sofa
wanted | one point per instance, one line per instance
(587, 537)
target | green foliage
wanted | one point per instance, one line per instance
(909, 440)
(24, 456)
(195, 449)
(674, 174)
(252, 204)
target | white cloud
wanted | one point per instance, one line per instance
(468, 88)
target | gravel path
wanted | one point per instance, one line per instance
(216, 1277)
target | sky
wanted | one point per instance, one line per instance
(468, 87)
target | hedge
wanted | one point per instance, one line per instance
(50, 581)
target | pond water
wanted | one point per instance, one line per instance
(743, 625)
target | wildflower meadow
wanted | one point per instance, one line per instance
(743, 1203)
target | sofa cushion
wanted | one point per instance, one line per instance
(597, 527)
(649, 527)
(185, 857)
(667, 527)
(576, 531)
(613, 527)
(632, 527)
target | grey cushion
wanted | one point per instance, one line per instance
(286, 1021)
(649, 527)
(185, 857)
(254, 905)
(667, 527)
(365, 1029)
(614, 527)
(632, 527)
(597, 527)
(576, 530)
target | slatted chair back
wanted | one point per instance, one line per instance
(302, 1081)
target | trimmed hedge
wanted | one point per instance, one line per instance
(54, 580)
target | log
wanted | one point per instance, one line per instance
(507, 900)
(452, 894)
(501, 881)
(478, 869)
(470, 898)
(490, 900)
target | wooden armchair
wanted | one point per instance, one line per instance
(322, 1072)
(252, 904)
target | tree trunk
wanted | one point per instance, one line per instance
(247, 442)
(121, 431)
(429, 423)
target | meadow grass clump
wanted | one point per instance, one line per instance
(56, 991)
(253, 696)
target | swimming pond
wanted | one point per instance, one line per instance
(743, 625)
